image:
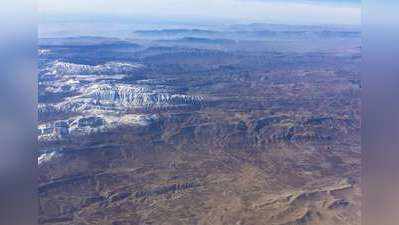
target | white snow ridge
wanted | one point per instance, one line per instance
(90, 99)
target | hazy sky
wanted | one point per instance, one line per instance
(244, 11)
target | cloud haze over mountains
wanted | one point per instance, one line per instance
(284, 11)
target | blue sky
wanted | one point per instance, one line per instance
(235, 11)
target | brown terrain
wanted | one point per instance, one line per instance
(275, 140)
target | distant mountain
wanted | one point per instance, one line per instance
(285, 27)
(85, 41)
(195, 40)
(256, 31)
(176, 32)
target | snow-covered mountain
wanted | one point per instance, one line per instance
(65, 68)
(97, 98)
(138, 96)
(88, 124)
